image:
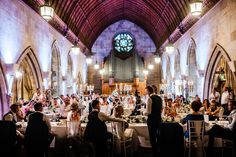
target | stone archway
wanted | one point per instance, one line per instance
(31, 79)
(55, 70)
(4, 103)
(218, 56)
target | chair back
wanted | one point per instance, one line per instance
(118, 129)
(196, 129)
(8, 138)
(144, 143)
(73, 128)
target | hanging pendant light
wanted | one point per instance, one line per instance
(170, 48)
(75, 48)
(46, 11)
(89, 60)
(96, 66)
(150, 66)
(102, 71)
(145, 72)
(196, 7)
(157, 59)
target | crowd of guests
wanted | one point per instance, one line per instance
(100, 109)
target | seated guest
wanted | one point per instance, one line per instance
(169, 110)
(96, 129)
(38, 133)
(195, 115)
(197, 98)
(215, 95)
(73, 118)
(213, 110)
(12, 114)
(228, 112)
(226, 132)
(74, 115)
(205, 107)
(38, 96)
(120, 127)
(119, 112)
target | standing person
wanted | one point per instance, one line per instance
(96, 129)
(225, 99)
(153, 111)
(154, 89)
(38, 133)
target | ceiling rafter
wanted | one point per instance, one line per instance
(88, 18)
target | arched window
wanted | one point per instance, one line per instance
(55, 71)
(177, 65)
(192, 70)
(69, 75)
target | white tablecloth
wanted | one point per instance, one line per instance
(140, 129)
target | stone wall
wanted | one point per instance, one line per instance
(21, 28)
(218, 26)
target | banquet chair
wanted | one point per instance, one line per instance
(144, 143)
(226, 144)
(196, 135)
(73, 128)
(8, 139)
(124, 142)
(76, 146)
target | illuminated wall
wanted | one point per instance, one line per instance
(217, 26)
(22, 27)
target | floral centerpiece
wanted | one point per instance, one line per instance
(136, 119)
(84, 119)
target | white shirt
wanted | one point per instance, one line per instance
(148, 106)
(103, 117)
(232, 120)
(225, 97)
(215, 96)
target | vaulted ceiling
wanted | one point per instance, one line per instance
(88, 18)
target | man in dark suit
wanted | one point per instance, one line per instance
(38, 133)
(153, 111)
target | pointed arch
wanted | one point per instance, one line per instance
(31, 79)
(69, 74)
(191, 54)
(55, 69)
(4, 103)
(192, 67)
(217, 54)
